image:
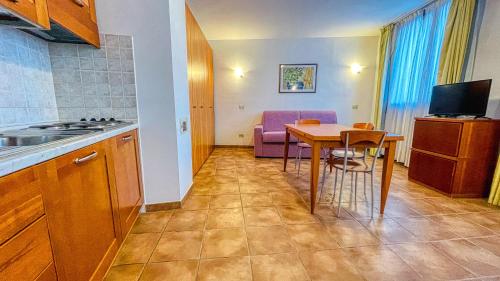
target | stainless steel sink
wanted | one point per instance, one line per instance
(6, 141)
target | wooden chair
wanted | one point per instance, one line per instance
(357, 139)
(303, 145)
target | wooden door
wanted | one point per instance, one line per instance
(83, 226)
(200, 74)
(78, 16)
(128, 178)
(35, 11)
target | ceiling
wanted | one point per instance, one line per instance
(264, 19)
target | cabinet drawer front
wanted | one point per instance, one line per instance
(438, 137)
(20, 202)
(433, 171)
(27, 254)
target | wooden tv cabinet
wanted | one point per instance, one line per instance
(455, 156)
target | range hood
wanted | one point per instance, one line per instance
(56, 33)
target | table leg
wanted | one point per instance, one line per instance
(389, 153)
(315, 160)
(287, 144)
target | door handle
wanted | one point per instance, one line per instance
(127, 138)
(87, 158)
(79, 3)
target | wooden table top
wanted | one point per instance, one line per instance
(329, 132)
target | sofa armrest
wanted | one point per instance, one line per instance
(258, 134)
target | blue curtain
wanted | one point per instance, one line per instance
(411, 72)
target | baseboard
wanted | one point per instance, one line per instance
(163, 206)
(169, 205)
(186, 196)
(232, 146)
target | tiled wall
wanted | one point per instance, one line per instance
(95, 83)
(26, 87)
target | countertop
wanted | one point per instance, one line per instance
(22, 157)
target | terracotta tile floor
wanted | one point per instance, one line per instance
(246, 220)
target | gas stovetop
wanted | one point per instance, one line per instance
(83, 124)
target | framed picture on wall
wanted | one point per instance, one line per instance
(298, 78)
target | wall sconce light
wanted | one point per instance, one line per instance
(356, 68)
(239, 72)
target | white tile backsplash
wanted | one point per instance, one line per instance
(95, 83)
(47, 82)
(26, 82)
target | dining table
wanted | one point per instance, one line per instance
(320, 136)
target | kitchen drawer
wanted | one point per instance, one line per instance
(20, 202)
(27, 255)
(438, 137)
(433, 171)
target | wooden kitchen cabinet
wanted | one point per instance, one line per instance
(35, 11)
(126, 162)
(28, 255)
(80, 205)
(455, 156)
(65, 219)
(77, 16)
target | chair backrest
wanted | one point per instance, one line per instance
(364, 126)
(365, 139)
(362, 138)
(308, 122)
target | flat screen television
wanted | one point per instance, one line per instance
(468, 98)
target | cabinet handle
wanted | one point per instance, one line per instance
(14, 1)
(84, 159)
(79, 3)
(127, 138)
(201, 106)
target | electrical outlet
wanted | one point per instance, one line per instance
(241, 107)
(241, 136)
(355, 106)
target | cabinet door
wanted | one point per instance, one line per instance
(34, 11)
(78, 16)
(78, 204)
(127, 176)
(433, 171)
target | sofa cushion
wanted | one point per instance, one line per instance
(326, 117)
(276, 137)
(274, 121)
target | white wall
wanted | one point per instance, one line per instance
(337, 87)
(181, 90)
(487, 64)
(149, 23)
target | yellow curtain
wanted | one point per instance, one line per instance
(456, 40)
(385, 39)
(495, 187)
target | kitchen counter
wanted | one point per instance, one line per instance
(18, 158)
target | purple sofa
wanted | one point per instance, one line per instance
(269, 137)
